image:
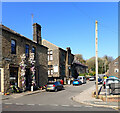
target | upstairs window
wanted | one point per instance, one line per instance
(13, 47)
(50, 55)
(33, 50)
(116, 63)
(116, 70)
(27, 50)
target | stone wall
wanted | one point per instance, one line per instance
(114, 65)
(55, 61)
(42, 64)
(59, 59)
(14, 59)
(0, 46)
(62, 64)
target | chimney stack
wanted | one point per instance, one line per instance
(37, 33)
(68, 50)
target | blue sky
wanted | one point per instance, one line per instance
(68, 24)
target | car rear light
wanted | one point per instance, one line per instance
(53, 85)
(104, 82)
(45, 85)
(78, 80)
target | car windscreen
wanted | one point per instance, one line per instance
(56, 83)
(75, 79)
(50, 83)
(79, 77)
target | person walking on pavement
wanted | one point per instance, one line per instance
(61, 81)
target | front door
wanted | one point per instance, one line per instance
(28, 78)
(14, 76)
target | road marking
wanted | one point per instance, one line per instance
(40, 104)
(65, 105)
(19, 104)
(31, 104)
(8, 103)
(53, 105)
(77, 106)
(88, 106)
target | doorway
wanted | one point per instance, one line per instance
(28, 79)
(14, 76)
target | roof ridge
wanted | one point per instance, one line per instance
(50, 42)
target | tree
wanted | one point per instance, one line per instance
(91, 65)
(103, 63)
(79, 57)
(107, 60)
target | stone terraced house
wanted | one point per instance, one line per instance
(114, 68)
(12, 46)
(59, 62)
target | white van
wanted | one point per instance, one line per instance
(82, 79)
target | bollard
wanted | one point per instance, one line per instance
(31, 88)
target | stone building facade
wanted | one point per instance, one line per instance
(114, 68)
(78, 68)
(12, 46)
(59, 61)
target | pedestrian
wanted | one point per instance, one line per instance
(61, 81)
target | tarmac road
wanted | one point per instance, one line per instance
(52, 101)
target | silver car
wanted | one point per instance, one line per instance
(54, 86)
(108, 81)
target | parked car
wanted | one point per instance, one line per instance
(91, 78)
(100, 81)
(108, 81)
(54, 86)
(77, 82)
(82, 79)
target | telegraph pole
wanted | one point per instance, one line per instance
(96, 54)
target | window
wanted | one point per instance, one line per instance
(27, 50)
(116, 70)
(48, 72)
(50, 55)
(50, 69)
(33, 50)
(116, 63)
(13, 47)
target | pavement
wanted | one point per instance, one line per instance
(86, 97)
(16, 95)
